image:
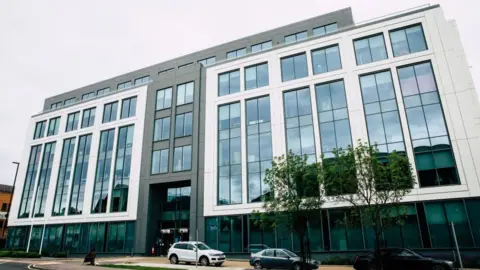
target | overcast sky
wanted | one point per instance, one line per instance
(50, 47)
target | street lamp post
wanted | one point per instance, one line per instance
(11, 196)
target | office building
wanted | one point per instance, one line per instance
(179, 149)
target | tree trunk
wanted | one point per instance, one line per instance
(378, 253)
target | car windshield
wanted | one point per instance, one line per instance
(202, 246)
(289, 253)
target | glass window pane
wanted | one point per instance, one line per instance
(333, 58)
(377, 47)
(435, 122)
(416, 40)
(399, 43)
(362, 51)
(300, 63)
(288, 71)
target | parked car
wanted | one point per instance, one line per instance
(254, 248)
(400, 259)
(279, 259)
(189, 252)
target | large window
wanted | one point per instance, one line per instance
(370, 49)
(298, 123)
(431, 143)
(120, 236)
(88, 95)
(142, 80)
(161, 129)
(39, 129)
(326, 59)
(472, 208)
(333, 117)
(53, 125)
(296, 37)
(207, 61)
(440, 215)
(96, 236)
(259, 147)
(56, 105)
(159, 161)
(408, 40)
(88, 118)
(229, 154)
(102, 174)
(29, 184)
(326, 29)
(44, 180)
(80, 175)
(63, 181)
(381, 112)
(76, 238)
(229, 83)
(103, 91)
(182, 158)
(262, 46)
(183, 124)
(237, 53)
(124, 85)
(256, 76)
(164, 98)
(344, 234)
(123, 161)
(129, 106)
(185, 93)
(294, 67)
(72, 121)
(18, 237)
(35, 238)
(69, 101)
(52, 239)
(110, 112)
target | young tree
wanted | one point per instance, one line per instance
(295, 194)
(372, 184)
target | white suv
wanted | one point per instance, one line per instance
(189, 251)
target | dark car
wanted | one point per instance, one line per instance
(278, 259)
(400, 259)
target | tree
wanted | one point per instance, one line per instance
(296, 193)
(372, 184)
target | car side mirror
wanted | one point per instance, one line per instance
(195, 249)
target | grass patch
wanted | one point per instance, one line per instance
(137, 267)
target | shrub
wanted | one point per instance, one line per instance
(5, 253)
(45, 253)
(23, 254)
(336, 260)
(60, 255)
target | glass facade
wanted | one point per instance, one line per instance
(326, 29)
(299, 123)
(142, 80)
(229, 83)
(381, 112)
(431, 143)
(262, 46)
(103, 91)
(256, 76)
(39, 129)
(185, 93)
(53, 125)
(182, 158)
(161, 130)
(102, 175)
(35, 238)
(408, 40)
(88, 95)
(88, 118)
(56, 105)
(370, 49)
(159, 161)
(72, 121)
(326, 59)
(183, 124)
(18, 237)
(44, 180)
(69, 101)
(164, 99)
(237, 53)
(123, 162)
(110, 112)
(80, 175)
(296, 37)
(124, 85)
(52, 238)
(294, 67)
(29, 184)
(208, 61)
(63, 181)
(129, 107)
(333, 117)
(229, 154)
(259, 147)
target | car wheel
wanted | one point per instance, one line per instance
(257, 265)
(296, 266)
(218, 264)
(174, 259)
(204, 261)
(438, 267)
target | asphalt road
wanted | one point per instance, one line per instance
(13, 266)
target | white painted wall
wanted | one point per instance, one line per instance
(456, 89)
(137, 120)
